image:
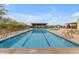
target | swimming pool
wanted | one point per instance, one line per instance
(37, 38)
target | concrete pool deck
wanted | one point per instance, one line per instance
(39, 51)
(14, 34)
(75, 38)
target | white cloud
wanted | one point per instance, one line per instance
(53, 21)
(38, 18)
(49, 17)
(30, 18)
(76, 14)
(22, 17)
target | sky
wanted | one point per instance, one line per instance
(43, 13)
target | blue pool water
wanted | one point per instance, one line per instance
(37, 38)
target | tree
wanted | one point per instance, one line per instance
(2, 11)
(9, 24)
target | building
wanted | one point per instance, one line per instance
(72, 25)
(77, 24)
(39, 25)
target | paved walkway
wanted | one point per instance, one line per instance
(63, 33)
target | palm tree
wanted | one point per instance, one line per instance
(2, 11)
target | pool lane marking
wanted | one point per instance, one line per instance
(27, 39)
(46, 39)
